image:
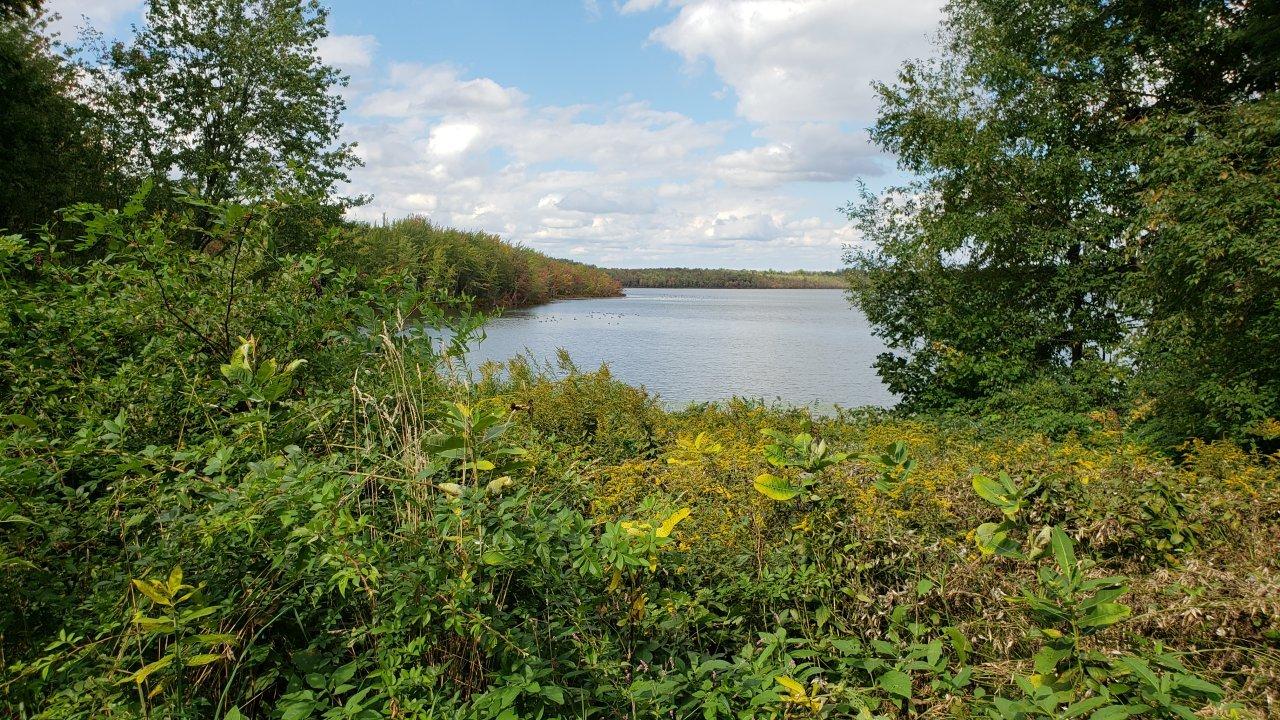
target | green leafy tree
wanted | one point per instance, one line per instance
(18, 8)
(51, 148)
(1209, 254)
(229, 98)
(1008, 260)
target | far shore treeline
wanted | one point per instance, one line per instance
(723, 278)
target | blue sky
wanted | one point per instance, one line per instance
(723, 133)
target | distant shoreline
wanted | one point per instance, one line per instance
(720, 287)
(725, 279)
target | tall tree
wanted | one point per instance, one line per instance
(1209, 274)
(51, 149)
(229, 98)
(1010, 258)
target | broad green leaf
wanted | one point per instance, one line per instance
(1063, 551)
(1105, 614)
(1087, 705)
(959, 643)
(990, 537)
(1118, 712)
(897, 683)
(990, 490)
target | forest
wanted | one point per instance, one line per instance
(723, 278)
(491, 272)
(248, 470)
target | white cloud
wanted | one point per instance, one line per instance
(416, 90)
(813, 152)
(620, 183)
(800, 60)
(635, 6)
(348, 52)
(452, 138)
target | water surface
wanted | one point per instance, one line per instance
(800, 347)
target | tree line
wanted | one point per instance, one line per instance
(724, 278)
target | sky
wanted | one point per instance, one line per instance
(624, 133)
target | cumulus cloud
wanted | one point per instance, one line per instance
(800, 60)
(612, 183)
(348, 52)
(810, 152)
(417, 90)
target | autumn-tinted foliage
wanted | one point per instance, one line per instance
(479, 265)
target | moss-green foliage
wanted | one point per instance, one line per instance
(478, 265)
(263, 499)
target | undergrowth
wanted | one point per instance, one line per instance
(244, 485)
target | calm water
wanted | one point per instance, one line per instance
(803, 347)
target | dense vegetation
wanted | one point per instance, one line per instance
(246, 470)
(478, 265)
(721, 278)
(1095, 212)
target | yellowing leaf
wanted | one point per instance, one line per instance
(670, 523)
(775, 488)
(175, 579)
(635, 528)
(142, 674)
(153, 590)
(198, 660)
(791, 685)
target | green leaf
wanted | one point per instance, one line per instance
(993, 538)
(1084, 706)
(897, 683)
(1105, 614)
(959, 643)
(147, 670)
(1063, 551)
(1202, 687)
(775, 488)
(990, 490)
(1118, 712)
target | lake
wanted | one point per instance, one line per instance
(800, 347)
